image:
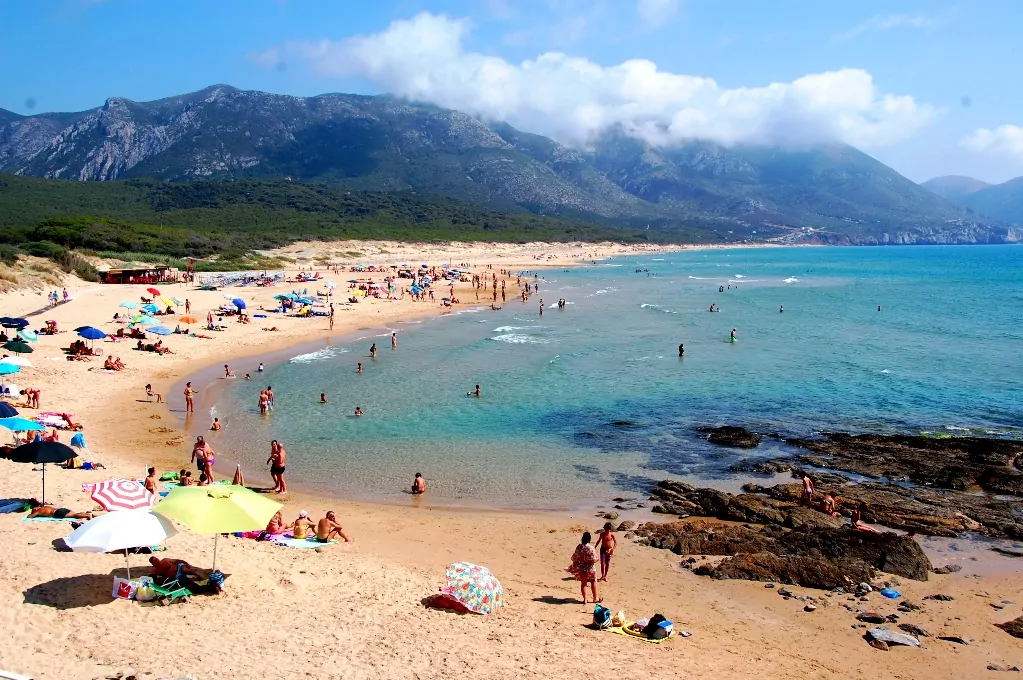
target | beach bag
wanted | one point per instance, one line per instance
(658, 627)
(145, 592)
(601, 617)
(618, 620)
(123, 588)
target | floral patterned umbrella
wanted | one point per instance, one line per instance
(474, 587)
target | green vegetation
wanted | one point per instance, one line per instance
(226, 221)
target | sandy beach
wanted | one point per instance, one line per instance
(355, 610)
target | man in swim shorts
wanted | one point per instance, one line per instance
(328, 529)
(57, 513)
(607, 543)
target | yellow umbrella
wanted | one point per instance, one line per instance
(217, 509)
(167, 301)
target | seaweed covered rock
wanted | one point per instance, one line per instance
(729, 435)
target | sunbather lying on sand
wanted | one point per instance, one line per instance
(57, 513)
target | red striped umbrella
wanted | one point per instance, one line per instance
(122, 494)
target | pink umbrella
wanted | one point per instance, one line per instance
(122, 494)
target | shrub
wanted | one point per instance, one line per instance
(8, 255)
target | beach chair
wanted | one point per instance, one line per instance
(171, 591)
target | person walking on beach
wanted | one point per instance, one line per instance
(150, 483)
(583, 560)
(188, 306)
(277, 462)
(808, 490)
(189, 398)
(607, 542)
(331, 316)
(202, 456)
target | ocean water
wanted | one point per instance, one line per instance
(592, 401)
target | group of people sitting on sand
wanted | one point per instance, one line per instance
(112, 364)
(157, 347)
(324, 531)
(78, 350)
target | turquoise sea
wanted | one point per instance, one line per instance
(589, 402)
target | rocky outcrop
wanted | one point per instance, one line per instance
(1013, 628)
(728, 435)
(816, 558)
(956, 463)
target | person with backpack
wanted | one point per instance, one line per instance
(584, 560)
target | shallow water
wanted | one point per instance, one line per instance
(592, 401)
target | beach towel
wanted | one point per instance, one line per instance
(292, 542)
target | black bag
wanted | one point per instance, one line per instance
(658, 628)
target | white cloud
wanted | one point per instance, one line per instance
(887, 22)
(656, 13)
(1005, 140)
(573, 99)
(267, 58)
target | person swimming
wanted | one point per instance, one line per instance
(323, 398)
(358, 410)
(475, 393)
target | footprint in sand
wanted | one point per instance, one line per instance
(161, 430)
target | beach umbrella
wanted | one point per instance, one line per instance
(473, 587)
(168, 301)
(78, 442)
(153, 291)
(159, 330)
(238, 302)
(21, 425)
(120, 531)
(150, 308)
(39, 452)
(18, 347)
(425, 266)
(177, 301)
(122, 494)
(7, 411)
(17, 361)
(11, 322)
(28, 336)
(128, 305)
(330, 284)
(91, 333)
(188, 319)
(7, 369)
(217, 510)
(146, 321)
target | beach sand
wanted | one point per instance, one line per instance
(354, 610)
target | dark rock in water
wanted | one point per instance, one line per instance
(949, 463)
(763, 467)
(625, 424)
(951, 568)
(939, 597)
(729, 435)
(626, 525)
(1013, 628)
(914, 629)
(805, 571)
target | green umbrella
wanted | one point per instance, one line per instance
(18, 347)
(217, 509)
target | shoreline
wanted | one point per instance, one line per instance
(65, 625)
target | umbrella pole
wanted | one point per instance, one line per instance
(127, 567)
(44, 484)
(215, 538)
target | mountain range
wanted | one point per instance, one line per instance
(1000, 201)
(827, 194)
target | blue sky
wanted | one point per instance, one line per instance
(930, 88)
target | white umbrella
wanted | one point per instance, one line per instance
(119, 531)
(17, 361)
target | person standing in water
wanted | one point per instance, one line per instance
(733, 338)
(394, 341)
(541, 306)
(373, 351)
(189, 398)
(681, 349)
(781, 309)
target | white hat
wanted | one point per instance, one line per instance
(303, 513)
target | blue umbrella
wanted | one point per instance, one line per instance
(9, 322)
(7, 411)
(147, 321)
(160, 330)
(151, 308)
(92, 333)
(7, 369)
(239, 303)
(21, 425)
(128, 305)
(28, 336)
